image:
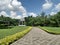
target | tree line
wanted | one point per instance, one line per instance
(40, 20)
(7, 21)
(43, 20)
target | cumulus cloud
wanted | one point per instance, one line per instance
(23, 11)
(13, 6)
(10, 7)
(14, 15)
(3, 4)
(18, 17)
(47, 5)
(52, 13)
(57, 7)
(4, 14)
(16, 3)
(32, 14)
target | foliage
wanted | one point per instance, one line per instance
(9, 21)
(44, 20)
(11, 31)
(9, 39)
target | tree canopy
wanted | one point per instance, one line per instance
(44, 20)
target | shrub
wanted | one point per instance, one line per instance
(9, 39)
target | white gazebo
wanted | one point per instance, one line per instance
(22, 22)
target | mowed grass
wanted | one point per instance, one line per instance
(13, 30)
(54, 30)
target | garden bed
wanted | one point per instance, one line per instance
(13, 37)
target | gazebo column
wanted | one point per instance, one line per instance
(21, 22)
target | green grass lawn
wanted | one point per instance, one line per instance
(54, 30)
(7, 32)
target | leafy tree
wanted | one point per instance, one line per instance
(44, 20)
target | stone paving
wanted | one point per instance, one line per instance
(38, 37)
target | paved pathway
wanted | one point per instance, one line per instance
(38, 37)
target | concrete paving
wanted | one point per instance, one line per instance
(38, 37)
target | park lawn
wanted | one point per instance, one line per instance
(13, 30)
(53, 30)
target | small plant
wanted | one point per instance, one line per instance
(9, 39)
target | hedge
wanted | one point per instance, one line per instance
(10, 39)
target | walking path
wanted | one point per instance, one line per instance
(38, 37)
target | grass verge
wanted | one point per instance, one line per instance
(51, 30)
(11, 31)
(9, 39)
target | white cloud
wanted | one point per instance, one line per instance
(57, 7)
(47, 5)
(3, 4)
(16, 3)
(23, 11)
(52, 13)
(18, 17)
(13, 5)
(13, 14)
(4, 14)
(10, 7)
(32, 14)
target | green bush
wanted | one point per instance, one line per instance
(9, 39)
(2, 26)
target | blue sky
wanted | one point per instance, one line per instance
(19, 8)
(33, 5)
(36, 5)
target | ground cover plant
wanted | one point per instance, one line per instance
(10, 31)
(11, 38)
